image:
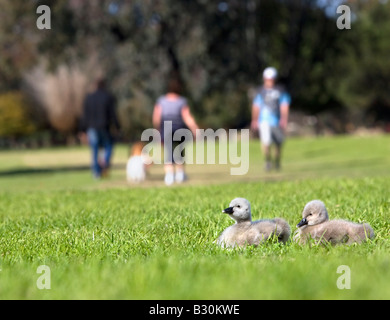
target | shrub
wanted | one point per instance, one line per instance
(15, 120)
(225, 110)
(135, 115)
(60, 93)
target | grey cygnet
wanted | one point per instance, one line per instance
(315, 224)
(247, 232)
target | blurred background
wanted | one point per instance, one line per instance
(339, 80)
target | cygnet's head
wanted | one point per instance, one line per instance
(239, 210)
(314, 213)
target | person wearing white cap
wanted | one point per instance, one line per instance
(270, 110)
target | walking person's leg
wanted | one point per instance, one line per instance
(108, 145)
(180, 174)
(265, 137)
(169, 178)
(179, 160)
(169, 165)
(278, 139)
(93, 139)
(167, 141)
(267, 156)
(278, 154)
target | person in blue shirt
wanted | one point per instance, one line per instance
(270, 111)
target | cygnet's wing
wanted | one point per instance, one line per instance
(283, 229)
(264, 229)
(235, 235)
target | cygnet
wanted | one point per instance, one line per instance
(315, 224)
(247, 232)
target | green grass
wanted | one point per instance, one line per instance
(108, 240)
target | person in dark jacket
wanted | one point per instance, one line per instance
(98, 117)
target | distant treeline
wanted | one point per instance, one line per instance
(218, 49)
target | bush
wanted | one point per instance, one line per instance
(225, 110)
(135, 115)
(15, 120)
(60, 93)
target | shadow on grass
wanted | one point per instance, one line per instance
(62, 169)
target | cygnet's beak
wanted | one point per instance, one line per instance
(228, 210)
(303, 222)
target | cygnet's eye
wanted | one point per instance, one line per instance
(238, 206)
(310, 214)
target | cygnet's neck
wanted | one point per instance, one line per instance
(242, 221)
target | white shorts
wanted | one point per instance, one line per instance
(269, 135)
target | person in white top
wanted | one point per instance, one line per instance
(270, 111)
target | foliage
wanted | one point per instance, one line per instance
(364, 85)
(15, 119)
(224, 109)
(59, 94)
(18, 42)
(217, 48)
(135, 115)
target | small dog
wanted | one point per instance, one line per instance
(136, 168)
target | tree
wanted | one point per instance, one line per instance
(18, 42)
(218, 48)
(364, 87)
(60, 93)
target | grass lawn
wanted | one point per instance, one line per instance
(110, 240)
